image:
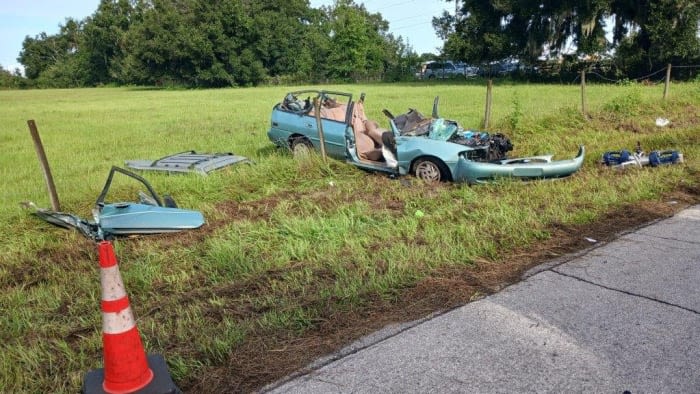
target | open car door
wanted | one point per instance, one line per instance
(149, 215)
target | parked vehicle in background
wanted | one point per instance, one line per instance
(500, 68)
(508, 67)
(444, 70)
(469, 70)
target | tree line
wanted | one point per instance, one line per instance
(219, 43)
(214, 43)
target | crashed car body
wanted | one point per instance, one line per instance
(433, 149)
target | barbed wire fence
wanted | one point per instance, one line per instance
(651, 78)
(656, 77)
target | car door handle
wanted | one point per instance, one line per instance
(275, 124)
(309, 125)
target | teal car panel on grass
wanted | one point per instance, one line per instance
(149, 215)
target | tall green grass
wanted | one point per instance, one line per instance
(288, 240)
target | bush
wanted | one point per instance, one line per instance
(14, 80)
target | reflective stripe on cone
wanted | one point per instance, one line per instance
(125, 365)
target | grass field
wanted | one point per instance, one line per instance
(297, 256)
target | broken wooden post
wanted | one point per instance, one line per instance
(668, 80)
(39, 147)
(322, 139)
(487, 112)
(584, 108)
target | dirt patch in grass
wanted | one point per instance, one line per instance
(267, 356)
(30, 272)
(686, 117)
(630, 126)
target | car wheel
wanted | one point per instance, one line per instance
(301, 147)
(432, 76)
(429, 170)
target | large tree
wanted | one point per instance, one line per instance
(483, 31)
(359, 43)
(101, 48)
(190, 42)
(42, 52)
(290, 38)
(652, 33)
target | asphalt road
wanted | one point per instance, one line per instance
(620, 317)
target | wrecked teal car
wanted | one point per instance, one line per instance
(430, 148)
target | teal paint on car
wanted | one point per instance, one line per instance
(150, 215)
(433, 149)
(136, 218)
(537, 167)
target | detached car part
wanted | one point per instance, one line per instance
(149, 215)
(189, 161)
(624, 158)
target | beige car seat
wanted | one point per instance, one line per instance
(367, 147)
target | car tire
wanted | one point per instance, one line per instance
(430, 170)
(431, 76)
(301, 146)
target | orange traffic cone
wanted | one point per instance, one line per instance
(126, 367)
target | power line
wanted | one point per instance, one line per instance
(409, 17)
(395, 4)
(413, 25)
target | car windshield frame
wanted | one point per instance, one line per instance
(318, 93)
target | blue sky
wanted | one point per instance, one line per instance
(18, 19)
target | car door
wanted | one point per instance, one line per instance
(333, 126)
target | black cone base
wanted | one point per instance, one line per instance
(162, 383)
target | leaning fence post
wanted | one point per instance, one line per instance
(489, 95)
(319, 126)
(668, 80)
(584, 108)
(39, 147)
